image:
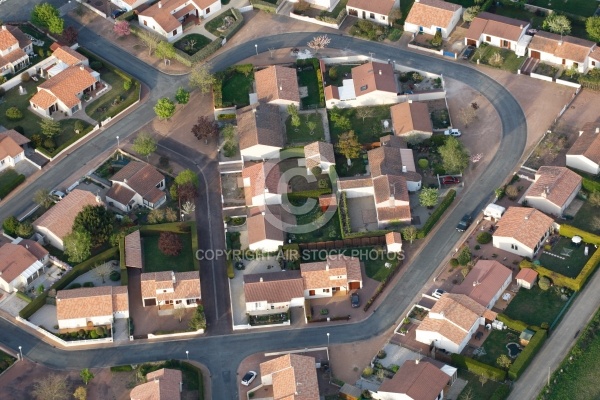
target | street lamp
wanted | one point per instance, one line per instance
(21, 352)
(118, 143)
(327, 339)
(187, 354)
(256, 48)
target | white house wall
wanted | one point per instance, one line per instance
(150, 24)
(544, 205)
(260, 152)
(504, 243)
(552, 59)
(82, 322)
(375, 98)
(413, 186)
(121, 314)
(5, 286)
(267, 245)
(389, 396)
(583, 163)
(50, 237)
(359, 192)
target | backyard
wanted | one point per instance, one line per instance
(584, 219)
(156, 261)
(312, 221)
(9, 180)
(376, 268)
(236, 88)
(30, 123)
(358, 166)
(308, 77)
(368, 129)
(585, 8)
(223, 20)
(336, 74)
(565, 257)
(29, 30)
(507, 61)
(475, 390)
(192, 43)
(495, 345)
(535, 306)
(303, 134)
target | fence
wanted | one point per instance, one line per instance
(315, 21)
(246, 9)
(568, 83)
(344, 243)
(59, 340)
(180, 334)
(541, 77)
(16, 80)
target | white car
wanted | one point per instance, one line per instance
(437, 293)
(248, 378)
(452, 132)
(58, 194)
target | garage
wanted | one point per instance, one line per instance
(354, 285)
(149, 302)
(471, 42)
(535, 54)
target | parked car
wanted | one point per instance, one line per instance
(57, 194)
(437, 293)
(464, 223)
(450, 180)
(468, 52)
(248, 378)
(452, 132)
(355, 300)
(117, 13)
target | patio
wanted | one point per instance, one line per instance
(363, 216)
(47, 278)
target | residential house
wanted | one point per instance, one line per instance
(133, 250)
(164, 384)
(168, 288)
(319, 154)
(569, 51)
(128, 4)
(291, 376)
(265, 230)
(93, 306)
(167, 17)
(62, 58)
(485, 283)
(137, 184)
(411, 118)
(495, 30)
(377, 12)
(553, 190)
(335, 274)
(63, 92)
(277, 85)
(526, 278)
(261, 132)
(372, 83)
(15, 49)
(21, 262)
(415, 380)
(56, 223)
(262, 183)
(11, 152)
(393, 242)
(452, 321)
(432, 16)
(275, 292)
(522, 231)
(584, 155)
(595, 58)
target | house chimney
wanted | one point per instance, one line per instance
(81, 67)
(98, 199)
(173, 277)
(327, 267)
(261, 279)
(597, 130)
(160, 4)
(404, 169)
(521, 26)
(410, 102)
(392, 200)
(417, 360)
(581, 132)
(280, 87)
(3, 27)
(263, 213)
(379, 72)
(560, 42)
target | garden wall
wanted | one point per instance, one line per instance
(176, 335)
(315, 21)
(567, 83)
(63, 342)
(541, 77)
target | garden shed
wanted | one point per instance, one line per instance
(525, 337)
(526, 278)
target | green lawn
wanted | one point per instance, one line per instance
(495, 346)
(585, 8)
(368, 130)
(156, 261)
(9, 180)
(341, 71)
(535, 306)
(6, 361)
(511, 62)
(358, 166)
(184, 44)
(215, 23)
(308, 78)
(571, 266)
(312, 221)
(302, 134)
(30, 121)
(405, 7)
(584, 218)
(476, 391)
(375, 267)
(236, 89)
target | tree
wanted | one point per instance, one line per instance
(40, 289)
(86, 375)
(467, 115)
(205, 128)
(484, 238)
(464, 256)
(80, 393)
(483, 378)
(512, 192)
(43, 198)
(311, 125)
(466, 395)
(228, 132)
(25, 230)
(78, 245)
(45, 15)
(201, 78)
(156, 216)
(592, 27)
(496, 60)
(187, 176)
(14, 114)
(319, 43)
(179, 313)
(293, 111)
(150, 40)
(70, 35)
(10, 225)
(165, 50)
(188, 208)
(102, 271)
(96, 220)
(56, 25)
(78, 126)
(348, 146)
(170, 243)
(164, 108)
(395, 15)
(504, 361)
(557, 23)
(171, 215)
(144, 144)
(182, 96)
(544, 283)
(121, 28)
(594, 199)
(187, 192)
(50, 128)
(428, 197)
(470, 13)
(409, 233)
(364, 112)
(198, 321)
(437, 38)
(52, 387)
(455, 158)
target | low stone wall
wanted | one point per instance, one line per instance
(59, 340)
(315, 21)
(541, 77)
(568, 83)
(176, 335)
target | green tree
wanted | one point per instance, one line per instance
(198, 321)
(25, 230)
(348, 145)
(201, 78)
(78, 126)
(43, 198)
(14, 114)
(45, 15)
(437, 39)
(182, 96)
(409, 233)
(594, 199)
(96, 220)
(428, 197)
(557, 23)
(50, 128)
(504, 361)
(470, 13)
(164, 108)
(592, 27)
(56, 25)
(144, 144)
(544, 283)
(86, 375)
(165, 50)
(455, 158)
(293, 111)
(78, 245)
(186, 178)
(10, 225)
(150, 40)
(228, 132)
(464, 256)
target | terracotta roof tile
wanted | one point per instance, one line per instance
(390, 191)
(120, 194)
(374, 76)
(275, 287)
(163, 384)
(7, 39)
(432, 13)
(260, 176)
(34, 248)
(277, 83)
(260, 126)
(185, 285)
(260, 227)
(142, 178)
(43, 99)
(91, 302)
(567, 47)
(69, 56)
(332, 93)
(383, 7)
(527, 274)
(525, 225)
(389, 159)
(393, 238)
(16, 136)
(14, 260)
(68, 84)
(317, 153)
(408, 118)
(321, 274)
(133, 250)
(354, 183)
(23, 40)
(328, 200)
(555, 184)
(9, 148)
(293, 377)
(417, 380)
(496, 25)
(13, 56)
(398, 213)
(484, 281)
(588, 143)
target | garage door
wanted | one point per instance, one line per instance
(471, 42)
(354, 285)
(535, 54)
(149, 302)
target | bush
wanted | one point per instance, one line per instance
(127, 85)
(10, 225)
(121, 368)
(437, 214)
(437, 38)
(367, 372)
(523, 359)
(230, 270)
(25, 77)
(484, 238)
(100, 331)
(544, 283)
(513, 324)
(333, 73)
(423, 163)
(93, 335)
(87, 284)
(115, 276)
(478, 368)
(229, 149)
(453, 262)
(464, 256)
(225, 117)
(316, 171)
(14, 114)
(96, 65)
(74, 286)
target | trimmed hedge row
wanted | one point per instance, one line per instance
(307, 194)
(355, 235)
(523, 359)
(501, 393)
(237, 25)
(23, 297)
(590, 185)
(230, 270)
(437, 214)
(122, 266)
(10, 186)
(478, 368)
(344, 216)
(570, 231)
(513, 324)
(175, 227)
(128, 16)
(265, 6)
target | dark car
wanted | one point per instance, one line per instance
(450, 180)
(117, 13)
(468, 52)
(355, 300)
(464, 223)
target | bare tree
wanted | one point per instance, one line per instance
(483, 378)
(179, 313)
(52, 387)
(201, 78)
(150, 40)
(188, 208)
(466, 395)
(467, 115)
(103, 270)
(364, 112)
(319, 43)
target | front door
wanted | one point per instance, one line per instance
(535, 54)
(364, 15)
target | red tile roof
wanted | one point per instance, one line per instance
(567, 47)
(9, 148)
(262, 176)
(588, 143)
(274, 287)
(525, 225)
(294, 377)
(69, 56)
(91, 302)
(261, 125)
(374, 76)
(484, 281)
(410, 117)
(318, 152)
(260, 227)
(184, 285)
(34, 248)
(393, 238)
(7, 39)
(528, 275)
(277, 83)
(66, 86)
(496, 25)
(16, 136)
(417, 380)
(14, 260)
(163, 384)
(555, 184)
(143, 179)
(326, 274)
(383, 7)
(432, 13)
(133, 250)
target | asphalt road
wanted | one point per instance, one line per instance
(222, 354)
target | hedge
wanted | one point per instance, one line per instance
(217, 89)
(331, 20)
(478, 368)
(590, 185)
(307, 194)
(501, 393)
(128, 16)
(23, 297)
(122, 266)
(513, 324)
(121, 368)
(343, 215)
(437, 214)
(230, 270)
(355, 235)
(10, 186)
(237, 25)
(265, 6)
(570, 231)
(52, 154)
(32, 307)
(175, 227)
(525, 357)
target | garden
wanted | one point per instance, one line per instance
(310, 129)
(536, 306)
(366, 122)
(583, 8)
(565, 257)
(379, 268)
(9, 180)
(98, 332)
(326, 226)
(307, 77)
(547, 150)
(5, 361)
(220, 25)
(546, 70)
(495, 346)
(29, 123)
(269, 319)
(585, 219)
(192, 43)
(476, 389)
(233, 86)
(504, 59)
(156, 260)
(335, 74)
(372, 31)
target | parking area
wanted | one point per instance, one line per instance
(362, 213)
(12, 304)
(45, 318)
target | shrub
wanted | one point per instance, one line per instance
(229, 148)
(484, 238)
(115, 276)
(93, 335)
(423, 163)
(10, 226)
(74, 286)
(25, 77)
(523, 359)
(333, 73)
(544, 283)
(478, 368)
(127, 85)
(513, 324)
(316, 171)
(464, 256)
(453, 262)
(367, 372)
(96, 65)
(14, 114)
(496, 59)
(100, 331)
(437, 214)
(2, 91)
(437, 39)
(512, 192)
(381, 354)
(88, 284)
(225, 117)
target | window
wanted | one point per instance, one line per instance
(311, 292)
(207, 11)
(488, 39)
(383, 17)
(164, 290)
(145, 23)
(363, 88)
(514, 247)
(593, 63)
(372, 16)
(178, 302)
(325, 290)
(272, 307)
(175, 32)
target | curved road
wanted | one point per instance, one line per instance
(222, 354)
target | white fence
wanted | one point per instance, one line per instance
(248, 326)
(315, 21)
(16, 80)
(542, 77)
(246, 8)
(59, 340)
(567, 83)
(172, 335)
